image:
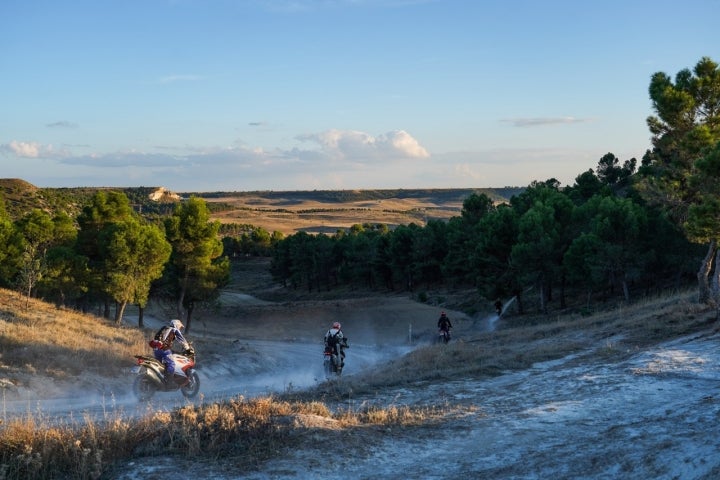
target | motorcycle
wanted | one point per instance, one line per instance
(334, 361)
(443, 335)
(150, 376)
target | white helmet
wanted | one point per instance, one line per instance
(177, 324)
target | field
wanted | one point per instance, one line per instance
(328, 211)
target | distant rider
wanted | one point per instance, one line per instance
(163, 342)
(444, 324)
(334, 339)
(498, 307)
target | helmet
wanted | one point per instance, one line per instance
(177, 324)
(336, 325)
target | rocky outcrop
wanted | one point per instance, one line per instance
(164, 195)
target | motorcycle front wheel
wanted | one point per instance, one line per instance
(193, 386)
(144, 388)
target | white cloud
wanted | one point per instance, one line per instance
(30, 149)
(358, 146)
(402, 141)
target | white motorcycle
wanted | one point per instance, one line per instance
(334, 358)
(150, 376)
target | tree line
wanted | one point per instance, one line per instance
(618, 228)
(112, 256)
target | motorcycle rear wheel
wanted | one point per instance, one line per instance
(193, 386)
(327, 366)
(144, 388)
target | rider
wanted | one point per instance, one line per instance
(444, 323)
(498, 307)
(163, 342)
(334, 337)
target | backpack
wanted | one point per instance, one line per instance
(159, 340)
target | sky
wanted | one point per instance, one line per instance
(248, 95)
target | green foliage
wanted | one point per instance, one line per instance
(12, 249)
(680, 173)
(243, 239)
(135, 255)
(198, 269)
(685, 128)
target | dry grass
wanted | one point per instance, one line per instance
(248, 431)
(38, 339)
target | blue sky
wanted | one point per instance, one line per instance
(239, 95)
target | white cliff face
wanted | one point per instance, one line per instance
(163, 194)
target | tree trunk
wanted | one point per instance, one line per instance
(520, 303)
(190, 308)
(543, 303)
(119, 310)
(715, 283)
(703, 275)
(625, 289)
(141, 316)
(183, 290)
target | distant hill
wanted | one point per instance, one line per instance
(312, 211)
(440, 195)
(21, 197)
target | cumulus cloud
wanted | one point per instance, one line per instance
(541, 121)
(30, 149)
(357, 146)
